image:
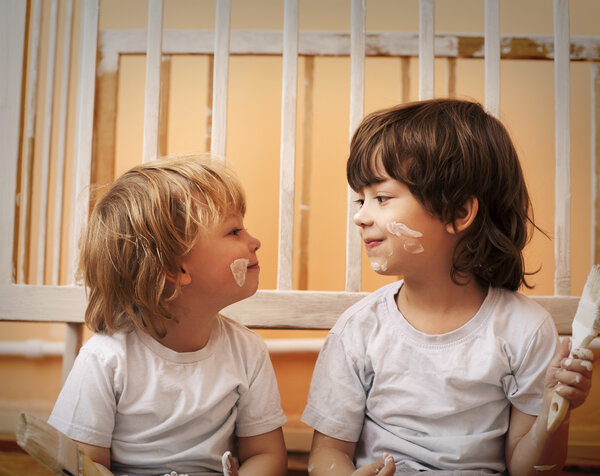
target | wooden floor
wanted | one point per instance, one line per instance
(15, 462)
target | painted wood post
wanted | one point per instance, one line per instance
(426, 49)
(29, 148)
(288, 145)
(152, 91)
(220, 79)
(357, 100)
(492, 57)
(88, 39)
(12, 26)
(59, 215)
(562, 178)
(46, 135)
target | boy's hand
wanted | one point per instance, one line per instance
(384, 466)
(570, 377)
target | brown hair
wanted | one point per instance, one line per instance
(447, 151)
(140, 228)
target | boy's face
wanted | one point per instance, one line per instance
(222, 265)
(399, 235)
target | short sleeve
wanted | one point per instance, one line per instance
(86, 406)
(337, 396)
(525, 386)
(259, 407)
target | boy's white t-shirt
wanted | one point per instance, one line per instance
(160, 410)
(431, 401)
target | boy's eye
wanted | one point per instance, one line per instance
(236, 231)
(381, 199)
(359, 202)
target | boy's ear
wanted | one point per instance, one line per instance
(465, 217)
(183, 275)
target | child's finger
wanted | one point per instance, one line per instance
(584, 354)
(579, 366)
(389, 467)
(574, 379)
(575, 396)
(384, 466)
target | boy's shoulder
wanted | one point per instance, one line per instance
(518, 317)
(511, 302)
(236, 331)
(108, 342)
(367, 309)
(110, 349)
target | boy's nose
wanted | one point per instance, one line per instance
(362, 218)
(254, 243)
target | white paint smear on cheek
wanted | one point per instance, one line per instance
(239, 268)
(409, 237)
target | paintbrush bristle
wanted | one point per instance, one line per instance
(47, 445)
(591, 290)
(586, 323)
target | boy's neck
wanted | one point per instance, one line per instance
(439, 307)
(189, 332)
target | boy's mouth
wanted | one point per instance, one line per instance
(371, 243)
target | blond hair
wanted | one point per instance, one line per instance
(138, 231)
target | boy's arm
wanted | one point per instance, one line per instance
(334, 457)
(530, 449)
(263, 455)
(98, 454)
(326, 452)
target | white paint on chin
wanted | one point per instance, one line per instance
(375, 266)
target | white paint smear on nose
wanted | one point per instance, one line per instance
(239, 268)
(409, 237)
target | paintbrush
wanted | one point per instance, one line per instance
(54, 449)
(586, 326)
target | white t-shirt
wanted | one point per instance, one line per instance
(431, 401)
(160, 410)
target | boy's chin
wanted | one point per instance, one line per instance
(380, 268)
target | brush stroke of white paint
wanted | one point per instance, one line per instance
(544, 467)
(409, 237)
(226, 464)
(239, 268)
(378, 267)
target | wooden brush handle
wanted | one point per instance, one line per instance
(559, 406)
